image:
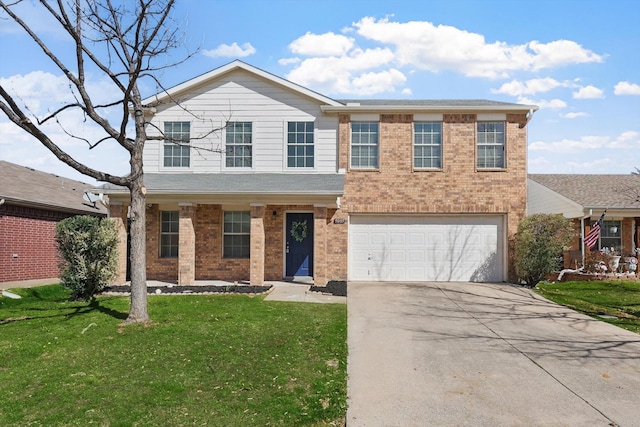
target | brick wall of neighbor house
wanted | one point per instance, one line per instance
(28, 249)
(458, 188)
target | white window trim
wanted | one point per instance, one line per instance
(223, 164)
(363, 168)
(504, 148)
(413, 147)
(285, 151)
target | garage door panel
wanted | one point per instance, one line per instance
(419, 248)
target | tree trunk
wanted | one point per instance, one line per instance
(138, 259)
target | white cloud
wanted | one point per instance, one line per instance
(574, 115)
(626, 88)
(328, 44)
(372, 83)
(436, 48)
(232, 51)
(626, 140)
(43, 93)
(338, 74)
(588, 92)
(407, 91)
(543, 103)
(529, 87)
(288, 61)
(560, 53)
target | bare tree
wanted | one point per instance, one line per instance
(124, 41)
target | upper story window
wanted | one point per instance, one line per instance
(300, 151)
(236, 234)
(490, 145)
(169, 227)
(427, 145)
(176, 140)
(238, 145)
(364, 145)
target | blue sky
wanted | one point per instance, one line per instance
(578, 60)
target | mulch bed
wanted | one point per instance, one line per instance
(336, 288)
(185, 290)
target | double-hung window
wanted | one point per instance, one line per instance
(176, 144)
(300, 151)
(236, 234)
(491, 145)
(169, 226)
(611, 235)
(364, 145)
(238, 151)
(427, 145)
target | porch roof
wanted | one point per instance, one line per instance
(238, 183)
(592, 191)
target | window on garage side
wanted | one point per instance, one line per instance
(238, 150)
(176, 144)
(364, 145)
(300, 150)
(427, 145)
(236, 234)
(491, 143)
(169, 226)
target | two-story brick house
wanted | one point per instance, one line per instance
(298, 184)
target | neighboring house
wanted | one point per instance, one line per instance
(584, 198)
(299, 184)
(32, 203)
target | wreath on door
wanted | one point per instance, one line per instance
(299, 230)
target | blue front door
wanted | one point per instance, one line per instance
(299, 244)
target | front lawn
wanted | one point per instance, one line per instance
(215, 360)
(620, 299)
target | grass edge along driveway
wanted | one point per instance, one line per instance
(204, 360)
(616, 302)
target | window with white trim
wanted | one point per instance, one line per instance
(300, 149)
(238, 151)
(611, 235)
(169, 235)
(364, 145)
(491, 145)
(236, 234)
(176, 144)
(427, 145)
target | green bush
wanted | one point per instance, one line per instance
(540, 240)
(88, 250)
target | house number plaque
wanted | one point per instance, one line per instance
(339, 221)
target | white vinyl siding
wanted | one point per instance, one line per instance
(243, 97)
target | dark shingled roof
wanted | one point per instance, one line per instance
(24, 186)
(238, 183)
(595, 191)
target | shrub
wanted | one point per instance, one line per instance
(541, 238)
(88, 250)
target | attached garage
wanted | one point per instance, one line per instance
(426, 248)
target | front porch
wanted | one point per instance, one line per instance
(252, 242)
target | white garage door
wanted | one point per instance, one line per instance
(419, 248)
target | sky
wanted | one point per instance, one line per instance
(578, 60)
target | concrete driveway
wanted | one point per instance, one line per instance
(456, 354)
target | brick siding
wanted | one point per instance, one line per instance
(28, 233)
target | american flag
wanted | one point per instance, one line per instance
(592, 238)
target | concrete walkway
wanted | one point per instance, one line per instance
(470, 354)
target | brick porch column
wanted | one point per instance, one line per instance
(320, 245)
(257, 244)
(186, 245)
(118, 214)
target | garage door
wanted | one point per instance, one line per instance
(418, 248)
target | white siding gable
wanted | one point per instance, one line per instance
(241, 96)
(541, 199)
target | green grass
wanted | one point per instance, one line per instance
(615, 298)
(215, 360)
